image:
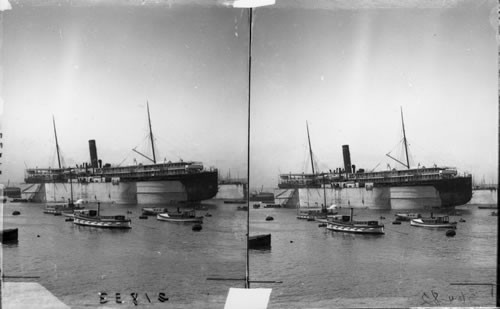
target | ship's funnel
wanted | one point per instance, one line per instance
(93, 154)
(347, 159)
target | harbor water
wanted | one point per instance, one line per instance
(408, 266)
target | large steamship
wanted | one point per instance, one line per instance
(155, 183)
(411, 188)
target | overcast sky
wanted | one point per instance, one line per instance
(346, 67)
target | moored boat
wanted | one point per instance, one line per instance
(346, 224)
(153, 211)
(434, 222)
(57, 209)
(94, 218)
(407, 216)
(71, 213)
(180, 216)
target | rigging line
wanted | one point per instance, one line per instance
(144, 141)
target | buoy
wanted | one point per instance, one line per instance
(197, 227)
(396, 222)
(162, 298)
(16, 213)
(269, 218)
(143, 217)
(291, 241)
(450, 233)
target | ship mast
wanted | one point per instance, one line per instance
(57, 144)
(310, 149)
(404, 140)
(152, 140)
(151, 135)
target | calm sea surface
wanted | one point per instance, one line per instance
(407, 266)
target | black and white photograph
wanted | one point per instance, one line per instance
(249, 153)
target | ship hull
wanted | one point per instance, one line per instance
(441, 194)
(188, 188)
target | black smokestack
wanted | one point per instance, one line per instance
(93, 153)
(347, 159)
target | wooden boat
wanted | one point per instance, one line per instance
(319, 214)
(407, 216)
(93, 218)
(8, 235)
(316, 215)
(58, 209)
(61, 208)
(153, 211)
(71, 213)
(180, 216)
(259, 241)
(434, 222)
(346, 224)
